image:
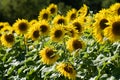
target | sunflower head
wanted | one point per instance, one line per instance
(57, 33)
(44, 15)
(59, 20)
(21, 26)
(44, 27)
(67, 70)
(48, 56)
(52, 8)
(74, 44)
(7, 40)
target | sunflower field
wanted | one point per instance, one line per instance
(79, 45)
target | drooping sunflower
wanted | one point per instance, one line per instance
(52, 8)
(57, 33)
(44, 27)
(101, 20)
(115, 9)
(78, 24)
(59, 20)
(71, 15)
(33, 33)
(44, 14)
(7, 40)
(113, 31)
(67, 70)
(83, 11)
(21, 26)
(48, 56)
(74, 44)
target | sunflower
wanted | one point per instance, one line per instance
(59, 20)
(113, 31)
(21, 26)
(83, 11)
(7, 40)
(74, 44)
(48, 56)
(3, 25)
(71, 31)
(67, 70)
(101, 20)
(44, 14)
(115, 9)
(78, 24)
(7, 29)
(71, 15)
(57, 33)
(44, 27)
(52, 8)
(33, 21)
(33, 33)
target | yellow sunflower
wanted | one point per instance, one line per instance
(52, 8)
(67, 70)
(101, 20)
(113, 31)
(59, 20)
(71, 15)
(71, 31)
(115, 9)
(74, 44)
(3, 24)
(83, 10)
(48, 56)
(33, 33)
(33, 21)
(44, 27)
(21, 26)
(78, 24)
(6, 29)
(7, 40)
(44, 14)
(57, 33)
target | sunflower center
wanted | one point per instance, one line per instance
(58, 33)
(61, 21)
(36, 33)
(43, 28)
(23, 26)
(119, 11)
(68, 69)
(52, 10)
(45, 16)
(116, 28)
(77, 44)
(103, 24)
(9, 38)
(73, 16)
(50, 53)
(1, 27)
(78, 26)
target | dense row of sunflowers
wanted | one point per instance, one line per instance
(77, 45)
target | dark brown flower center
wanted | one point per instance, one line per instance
(68, 69)
(23, 26)
(1, 27)
(77, 26)
(103, 24)
(9, 38)
(119, 11)
(52, 10)
(45, 16)
(36, 34)
(73, 16)
(77, 44)
(58, 33)
(61, 21)
(50, 53)
(43, 28)
(116, 28)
